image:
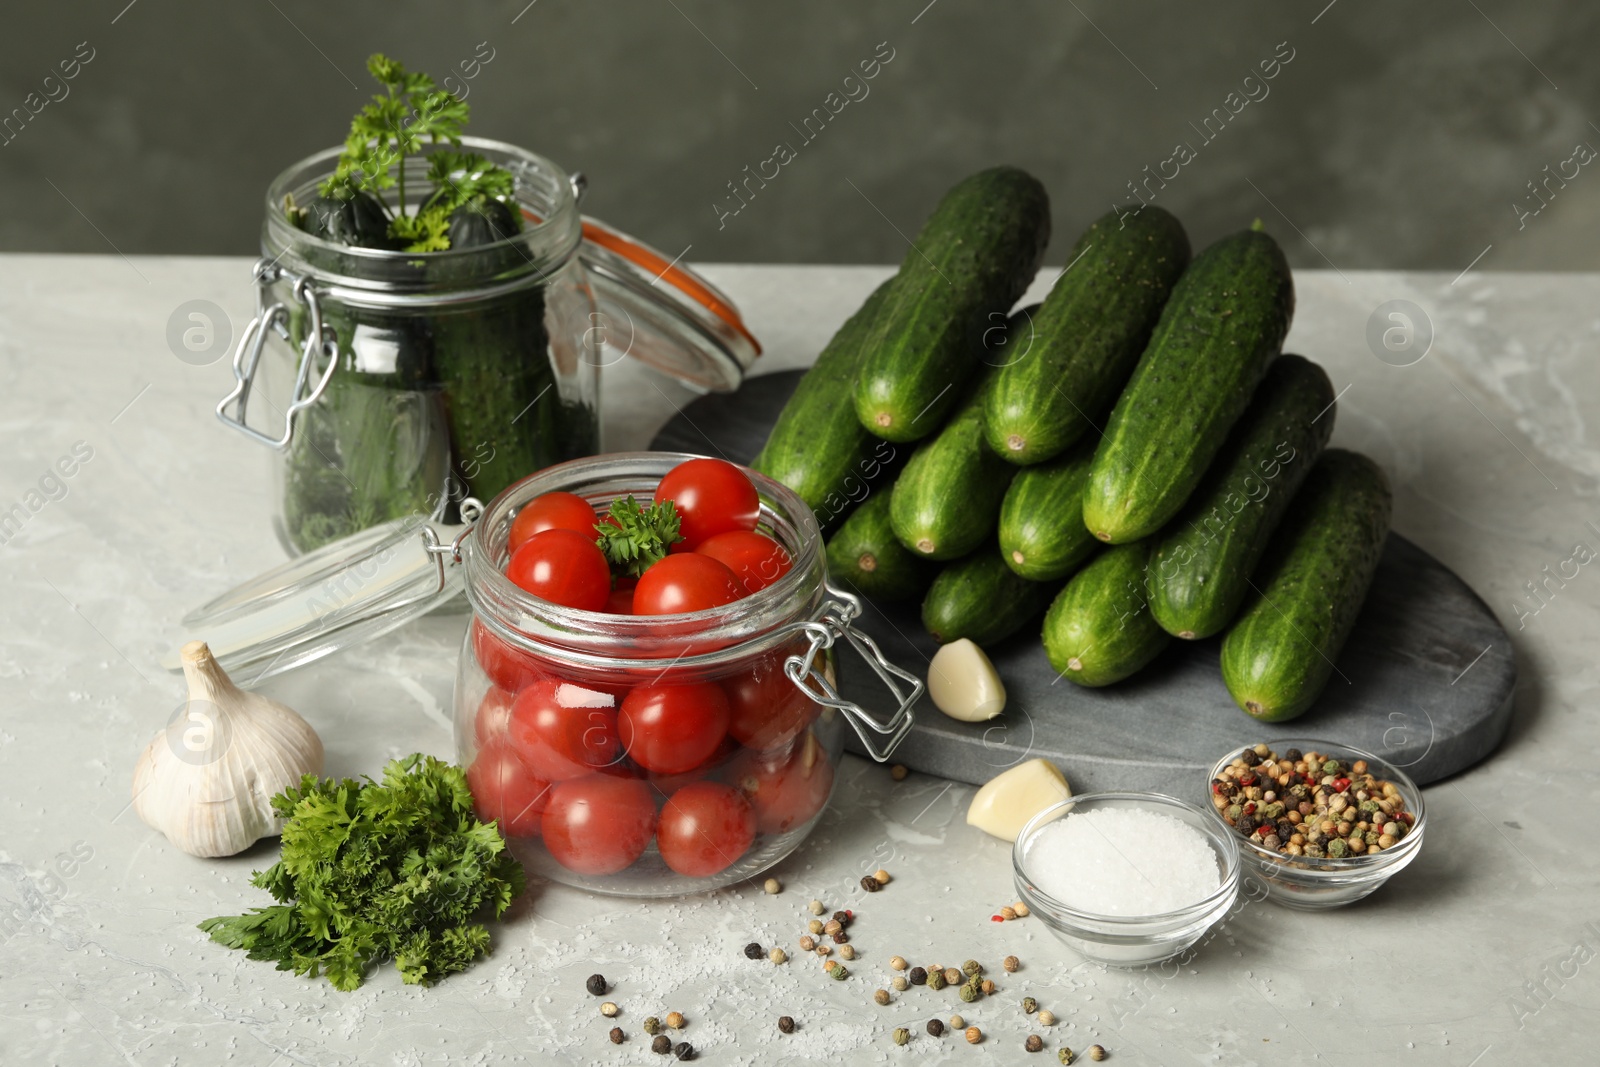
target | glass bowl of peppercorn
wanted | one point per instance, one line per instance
(1319, 824)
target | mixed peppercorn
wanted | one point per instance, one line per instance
(1310, 804)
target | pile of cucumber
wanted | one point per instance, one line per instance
(1135, 458)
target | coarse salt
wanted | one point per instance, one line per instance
(1123, 861)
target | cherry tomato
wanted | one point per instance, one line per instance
(620, 602)
(494, 716)
(564, 567)
(767, 710)
(505, 792)
(669, 729)
(712, 496)
(785, 793)
(683, 583)
(598, 824)
(705, 828)
(552, 511)
(562, 730)
(664, 785)
(755, 559)
(508, 667)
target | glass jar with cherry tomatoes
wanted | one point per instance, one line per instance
(666, 735)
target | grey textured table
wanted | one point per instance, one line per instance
(1479, 954)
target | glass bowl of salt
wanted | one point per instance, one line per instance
(1126, 879)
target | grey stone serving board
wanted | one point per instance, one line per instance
(1426, 679)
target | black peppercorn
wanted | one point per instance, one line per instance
(785, 1024)
(683, 1050)
(918, 976)
(596, 984)
(1246, 824)
(753, 951)
(870, 884)
(842, 917)
(935, 1027)
(1034, 1043)
(1286, 829)
(841, 938)
(616, 1035)
(1294, 755)
(662, 1044)
(1249, 757)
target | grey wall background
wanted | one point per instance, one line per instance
(1400, 135)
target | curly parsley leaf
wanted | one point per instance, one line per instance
(638, 536)
(374, 871)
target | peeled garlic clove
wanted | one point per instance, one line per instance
(208, 779)
(1006, 803)
(964, 684)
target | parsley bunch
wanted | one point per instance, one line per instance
(376, 871)
(637, 537)
(411, 111)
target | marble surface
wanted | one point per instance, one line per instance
(1481, 953)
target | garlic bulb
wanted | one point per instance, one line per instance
(208, 779)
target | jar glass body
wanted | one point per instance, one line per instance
(645, 756)
(454, 372)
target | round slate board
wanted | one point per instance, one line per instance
(1425, 681)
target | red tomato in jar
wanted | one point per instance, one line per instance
(712, 496)
(508, 667)
(669, 729)
(561, 730)
(754, 558)
(494, 716)
(620, 602)
(598, 824)
(785, 793)
(683, 583)
(704, 828)
(767, 710)
(552, 511)
(564, 567)
(504, 792)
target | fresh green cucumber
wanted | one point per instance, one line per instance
(1042, 535)
(1223, 325)
(1099, 629)
(865, 554)
(1201, 569)
(817, 447)
(979, 598)
(947, 500)
(1065, 374)
(1280, 653)
(973, 258)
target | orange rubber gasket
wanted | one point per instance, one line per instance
(681, 279)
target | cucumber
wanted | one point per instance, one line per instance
(865, 554)
(1223, 325)
(1280, 653)
(981, 599)
(1202, 565)
(974, 257)
(1087, 336)
(817, 447)
(1099, 629)
(1042, 535)
(947, 500)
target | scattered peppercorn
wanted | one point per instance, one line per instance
(899, 983)
(952, 976)
(662, 1044)
(901, 1035)
(609, 1010)
(824, 950)
(616, 1035)
(777, 955)
(870, 884)
(881, 996)
(1064, 1054)
(897, 962)
(969, 993)
(974, 1035)
(1029, 1005)
(957, 1022)
(936, 980)
(1034, 1043)
(772, 886)
(988, 987)
(814, 926)
(596, 985)
(918, 976)
(1047, 1018)
(675, 1020)
(847, 952)
(815, 907)
(652, 1025)
(838, 972)
(807, 943)
(935, 1028)
(754, 951)
(1008, 913)
(683, 1050)
(843, 917)
(833, 926)
(880, 876)
(972, 967)
(1097, 1053)
(785, 1024)
(899, 771)
(1021, 909)
(1010, 963)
